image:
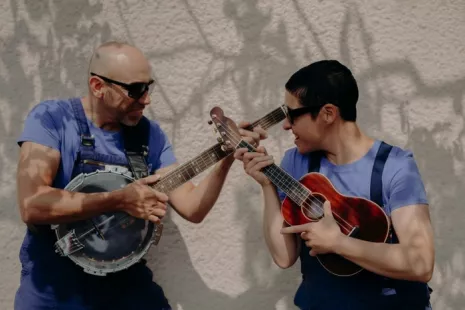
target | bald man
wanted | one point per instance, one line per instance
(52, 154)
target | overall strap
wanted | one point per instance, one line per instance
(314, 160)
(376, 185)
(136, 147)
(405, 290)
(87, 140)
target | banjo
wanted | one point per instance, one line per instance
(114, 241)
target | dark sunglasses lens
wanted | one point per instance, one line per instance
(290, 116)
(137, 90)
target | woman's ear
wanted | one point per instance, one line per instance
(329, 112)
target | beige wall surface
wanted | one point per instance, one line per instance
(408, 58)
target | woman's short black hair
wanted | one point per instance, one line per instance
(325, 81)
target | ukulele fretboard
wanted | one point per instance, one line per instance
(293, 189)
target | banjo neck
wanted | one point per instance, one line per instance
(190, 169)
(209, 157)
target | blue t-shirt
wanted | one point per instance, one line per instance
(52, 123)
(402, 186)
(402, 183)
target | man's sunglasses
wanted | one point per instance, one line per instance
(292, 114)
(135, 90)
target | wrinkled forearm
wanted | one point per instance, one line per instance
(53, 206)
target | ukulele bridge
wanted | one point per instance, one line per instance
(354, 232)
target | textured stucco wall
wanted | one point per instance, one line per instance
(407, 57)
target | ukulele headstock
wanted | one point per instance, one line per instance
(226, 128)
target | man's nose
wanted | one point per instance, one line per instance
(145, 99)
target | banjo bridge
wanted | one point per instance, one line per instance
(68, 244)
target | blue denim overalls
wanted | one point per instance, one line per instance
(49, 281)
(364, 290)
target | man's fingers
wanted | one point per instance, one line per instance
(294, 229)
(244, 124)
(154, 219)
(150, 179)
(261, 132)
(161, 205)
(244, 127)
(162, 197)
(160, 213)
(249, 135)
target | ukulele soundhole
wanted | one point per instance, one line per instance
(313, 206)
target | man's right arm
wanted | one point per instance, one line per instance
(39, 203)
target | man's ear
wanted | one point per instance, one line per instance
(96, 87)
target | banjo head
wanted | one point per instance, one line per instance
(108, 242)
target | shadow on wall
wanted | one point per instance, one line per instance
(258, 76)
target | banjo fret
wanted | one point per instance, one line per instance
(190, 169)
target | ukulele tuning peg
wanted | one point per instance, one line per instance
(220, 140)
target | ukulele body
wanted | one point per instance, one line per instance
(357, 217)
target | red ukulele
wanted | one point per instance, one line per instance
(357, 217)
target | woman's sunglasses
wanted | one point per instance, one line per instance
(292, 114)
(135, 90)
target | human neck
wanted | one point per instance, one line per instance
(95, 111)
(346, 143)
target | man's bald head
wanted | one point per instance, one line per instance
(120, 61)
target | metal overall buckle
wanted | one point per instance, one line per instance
(87, 141)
